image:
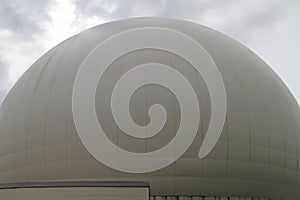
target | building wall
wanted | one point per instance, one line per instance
(85, 193)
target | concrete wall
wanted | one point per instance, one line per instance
(76, 193)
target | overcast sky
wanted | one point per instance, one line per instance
(28, 28)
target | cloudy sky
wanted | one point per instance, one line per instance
(28, 28)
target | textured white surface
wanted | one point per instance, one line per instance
(256, 155)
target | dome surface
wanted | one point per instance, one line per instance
(255, 155)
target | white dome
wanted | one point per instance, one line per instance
(256, 155)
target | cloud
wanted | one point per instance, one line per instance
(236, 18)
(116, 9)
(23, 18)
(3, 80)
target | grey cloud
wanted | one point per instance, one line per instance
(181, 8)
(265, 17)
(258, 19)
(3, 80)
(123, 9)
(23, 18)
(188, 9)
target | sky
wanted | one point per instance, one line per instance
(29, 28)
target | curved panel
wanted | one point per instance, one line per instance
(257, 153)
